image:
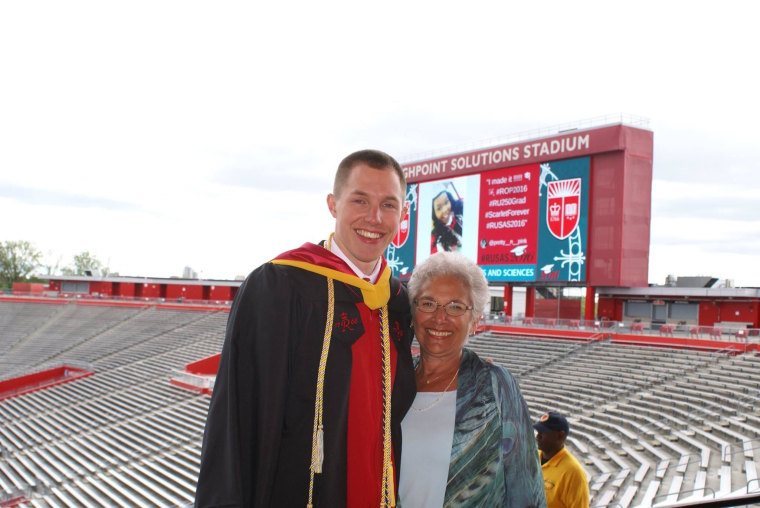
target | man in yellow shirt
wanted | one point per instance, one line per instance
(565, 480)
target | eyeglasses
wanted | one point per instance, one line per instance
(452, 308)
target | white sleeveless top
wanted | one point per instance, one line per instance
(426, 442)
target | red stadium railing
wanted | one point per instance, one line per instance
(40, 380)
(721, 338)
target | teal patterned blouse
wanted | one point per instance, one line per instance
(494, 457)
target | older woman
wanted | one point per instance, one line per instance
(468, 438)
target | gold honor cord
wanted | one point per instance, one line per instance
(317, 438)
(388, 491)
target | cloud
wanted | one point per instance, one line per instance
(275, 172)
(47, 197)
(713, 235)
(709, 155)
(738, 208)
(723, 200)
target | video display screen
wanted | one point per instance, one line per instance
(520, 223)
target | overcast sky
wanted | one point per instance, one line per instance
(159, 135)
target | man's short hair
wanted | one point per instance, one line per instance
(372, 158)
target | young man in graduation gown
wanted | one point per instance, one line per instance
(316, 371)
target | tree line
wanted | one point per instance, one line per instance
(20, 261)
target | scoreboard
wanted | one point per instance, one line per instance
(527, 212)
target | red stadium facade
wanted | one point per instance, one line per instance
(145, 289)
(701, 311)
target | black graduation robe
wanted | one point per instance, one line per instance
(258, 436)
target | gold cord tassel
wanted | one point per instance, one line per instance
(320, 451)
(317, 439)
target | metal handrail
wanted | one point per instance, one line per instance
(747, 336)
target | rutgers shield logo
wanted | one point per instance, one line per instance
(403, 228)
(563, 206)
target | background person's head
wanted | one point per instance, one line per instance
(367, 202)
(551, 432)
(446, 278)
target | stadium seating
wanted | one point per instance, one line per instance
(651, 425)
(123, 436)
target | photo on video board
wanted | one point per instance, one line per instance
(447, 218)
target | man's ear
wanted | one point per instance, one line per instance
(331, 205)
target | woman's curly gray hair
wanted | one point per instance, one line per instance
(454, 264)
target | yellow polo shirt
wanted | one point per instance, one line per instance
(565, 481)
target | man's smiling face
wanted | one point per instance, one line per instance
(367, 214)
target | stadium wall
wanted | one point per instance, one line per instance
(739, 307)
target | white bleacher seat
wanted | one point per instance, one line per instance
(674, 489)
(750, 471)
(182, 483)
(9, 440)
(42, 471)
(651, 491)
(620, 477)
(641, 472)
(11, 478)
(171, 486)
(6, 489)
(683, 462)
(725, 480)
(59, 499)
(22, 472)
(725, 454)
(107, 491)
(154, 496)
(81, 498)
(83, 461)
(605, 498)
(700, 480)
(111, 480)
(628, 495)
(596, 483)
(93, 493)
(661, 469)
(748, 447)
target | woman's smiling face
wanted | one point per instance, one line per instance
(441, 335)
